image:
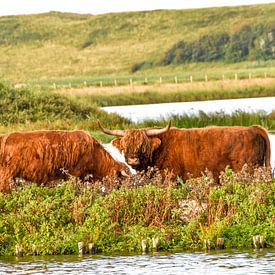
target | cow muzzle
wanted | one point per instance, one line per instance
(133, 161)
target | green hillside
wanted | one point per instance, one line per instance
(60, 45)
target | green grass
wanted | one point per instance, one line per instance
(55, 46)
(25, 110)
(165, 74)
(132, 95)
(181, 215)
(217, 119)
(23, 106)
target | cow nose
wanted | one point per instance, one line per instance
(133, 161)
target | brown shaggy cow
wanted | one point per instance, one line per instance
(187, 152)
(43, 156)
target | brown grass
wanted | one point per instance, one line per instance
(170, 87)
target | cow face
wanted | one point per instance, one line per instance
(137, 148)
(137, 145)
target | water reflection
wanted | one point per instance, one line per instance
(228, 262)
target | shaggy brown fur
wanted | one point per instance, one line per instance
(191, 151)
(43, 156)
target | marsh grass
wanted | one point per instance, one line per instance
(26, 109)
(181, 214)
(196, 91)
(203, 119)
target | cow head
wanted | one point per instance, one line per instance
(137, 145)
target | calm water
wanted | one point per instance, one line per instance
(141, 112)
(228, 262)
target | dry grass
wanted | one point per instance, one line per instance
(170, 87)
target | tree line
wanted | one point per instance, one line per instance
(249, 43)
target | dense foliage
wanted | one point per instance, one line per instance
(26, 106)
(53, 220)
(250, 43)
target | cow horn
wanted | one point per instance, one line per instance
(124, 174)
(153, 132)
(119, 133)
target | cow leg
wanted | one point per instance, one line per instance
(76, 172)
(5, 180)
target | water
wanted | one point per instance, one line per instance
(227, 262)
(138, 113)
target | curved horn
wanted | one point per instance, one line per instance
(119, 133)
(124, 174)
(153, 132)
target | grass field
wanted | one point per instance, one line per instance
(176, 92)
(75, 48)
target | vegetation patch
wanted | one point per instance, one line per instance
(65, 45)
(25, 109)
(181, 214)
(251, 42)
(24, 106)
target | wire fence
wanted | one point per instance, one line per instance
(146, 80)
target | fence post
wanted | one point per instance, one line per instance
(258, 241)
(80, 248)
(144, 246)
(155, 243)
(220, 243)
(34, 249)
(91, 248)
(207, 244)
(19, 250)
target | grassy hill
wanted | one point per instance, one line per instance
(63, 45)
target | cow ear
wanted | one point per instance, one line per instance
(116, 143)
(155, 143)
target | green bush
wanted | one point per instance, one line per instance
(25, 106)
(181, 214)
(249, 43)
